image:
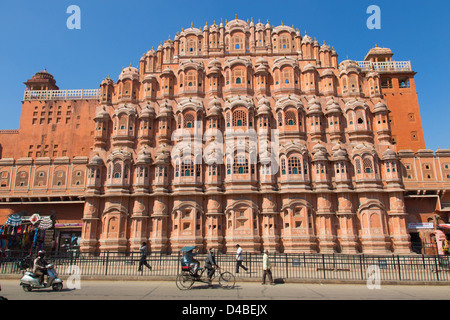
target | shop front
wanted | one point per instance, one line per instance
(67, 238)
(25, 233)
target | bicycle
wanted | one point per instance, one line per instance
(186, 279)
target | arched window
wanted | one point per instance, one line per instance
(283, 166)
(117, 171)
(360, 117)
(239, 118)
(280, 119)
(237, 43)
(189, 120)
(294, 166)
(238, 75)
(287, 76)
(191, 79)
(290, 119)
(367, 164)
(191, 46)
(358, 166)
(284, 42)
(240, 165)
(187, 168)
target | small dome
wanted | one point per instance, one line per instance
(96, 161)
(102, 114)
(314, 106)
(143, 157)
(339, 153)
(389, 155)
(307, 39)
(332, 106)
(130, 72)
(328, 73)
(165, 109)
(106, 82)
(348, 66)
(319, 152)
(380, 107)
(148, 111)
(309, 67)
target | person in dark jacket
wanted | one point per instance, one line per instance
(211, 264)
(40, 266)
(143, 260)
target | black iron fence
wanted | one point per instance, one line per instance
(317, 267)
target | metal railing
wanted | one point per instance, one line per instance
(307, 267)
(385, 66)
(76, 94)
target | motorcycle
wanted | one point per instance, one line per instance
(30, 281)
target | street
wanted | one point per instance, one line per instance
(167, 290)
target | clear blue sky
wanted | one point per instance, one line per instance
(34, 36)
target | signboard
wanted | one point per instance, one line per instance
(68, 225)
(421, 225)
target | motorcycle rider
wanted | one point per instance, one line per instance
(39, 268)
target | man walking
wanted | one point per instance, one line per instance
(267, 268)
(143, 260)
(239, 258)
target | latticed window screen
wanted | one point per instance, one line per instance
(367, 164)
(238, 76)
(189, 120)
(187, 168)
(191, 80)
(191, 46)
(240, 165)
(305, 166)
(239, 118)
(294, 166)
(290, 118)
(283, 166)
(284, 42)
(117, 170)
(237, 43)
(286, 76)
(358, 166)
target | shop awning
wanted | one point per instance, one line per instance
(14, 220)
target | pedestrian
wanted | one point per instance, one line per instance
(267, 268)
(143, 259)
(239, 258)
(211, 265)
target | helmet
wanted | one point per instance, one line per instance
(41, 253)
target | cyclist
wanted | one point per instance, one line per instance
(211, 264)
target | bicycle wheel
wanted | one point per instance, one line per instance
(227, 280)
(184, 281)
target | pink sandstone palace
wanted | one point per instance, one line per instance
(237, 133)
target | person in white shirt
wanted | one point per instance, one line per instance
(239, 258)
(267, 268)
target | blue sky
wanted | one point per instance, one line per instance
(34, 36)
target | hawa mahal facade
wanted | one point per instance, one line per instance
(237, 133)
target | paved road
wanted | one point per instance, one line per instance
(167, 290)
